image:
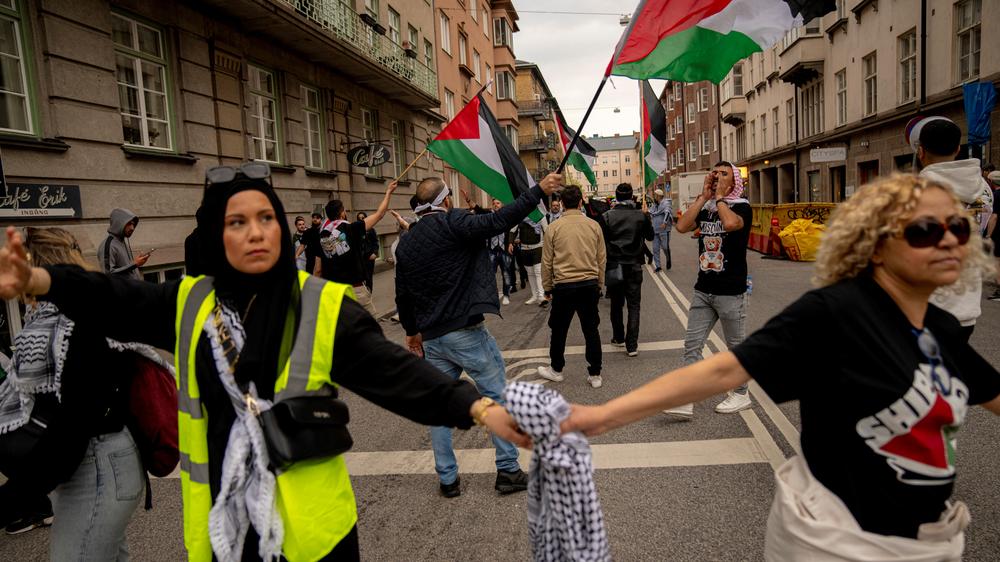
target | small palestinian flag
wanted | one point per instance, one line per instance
(583, 156)
(693, 40)
(654, 126)
(474, 144)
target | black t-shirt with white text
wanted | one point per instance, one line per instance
(722, 256)
(342, 245)
(879, 417)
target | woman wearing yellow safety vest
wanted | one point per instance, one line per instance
(256, 327)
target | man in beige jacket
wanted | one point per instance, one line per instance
(573, 262)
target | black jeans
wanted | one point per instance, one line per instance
(582, 301)
(630, 290)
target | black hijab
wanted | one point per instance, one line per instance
(269, 301)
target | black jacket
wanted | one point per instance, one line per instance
(443, 275)
(625, 227)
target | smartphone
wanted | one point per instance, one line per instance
(150, 252)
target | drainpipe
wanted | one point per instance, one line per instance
(684, 134)
(923, 52)
(798, 117)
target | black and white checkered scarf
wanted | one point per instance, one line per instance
(564, 515)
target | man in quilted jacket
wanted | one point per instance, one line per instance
(444, 287)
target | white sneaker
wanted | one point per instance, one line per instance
(505, 300)
(685, 412)
(632, 353)
(547, 372)
(734, 403)
(532, 300)
(595, 381)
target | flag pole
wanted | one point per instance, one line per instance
(576, 136)
(642, 146)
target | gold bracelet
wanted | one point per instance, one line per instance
(481, 409)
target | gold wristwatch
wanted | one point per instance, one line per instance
(481, 409)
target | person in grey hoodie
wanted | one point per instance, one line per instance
(114, 253)
(936, 142)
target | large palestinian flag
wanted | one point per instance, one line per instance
(583, 156)
(693, 40)
(474, 144)
(654, 126)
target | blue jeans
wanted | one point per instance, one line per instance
(706, 309)
(93, 508)
(501, 259)
(661, 239)
(475, 351)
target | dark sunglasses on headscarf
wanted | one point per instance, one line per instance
(225, 174)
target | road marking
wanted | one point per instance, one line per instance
(579, 349)
(743, 450)
(763, 438)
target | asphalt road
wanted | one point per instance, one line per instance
(670, 490)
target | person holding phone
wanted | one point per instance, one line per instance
(114, 253)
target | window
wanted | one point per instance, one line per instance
(706, 143)
(790, 120)
(489, 78)
(812, 109)
(812, 26)
(628, 158)
(604, 173)
(15, 105)
(428, 54)
(738, 80)
(703, 99)
(968, 18)
(774, 125)
(670, 131)
(369, 129)
(691, 112)
(412, 36)
(141, 69)
(371, 6)
(677, 90)
(476, 63)
(869, 72)
(715, 135)
(511, 132)
(505, 86)
(445, 33)
(763, 131)
(394, 26)
(753, 136)
(679, 125)
(841, 9)
(741, 142)
(463, 50)
(262, 114)
(449, 104)
(453, 179)
(841, 78)
(502, 33)
(680, 156)
(628, 172)
(312, 127)
(693, 151)
(473, 11)
(614, 173)
(486, 22)
(398, 148)
(907, 66)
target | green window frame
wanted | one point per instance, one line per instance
(18, 114)
(263, 115)
(312, 127)
(143, 77)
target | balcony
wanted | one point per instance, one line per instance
(540, 110)
(337, 36)
(734, 110)
(540, 143)
(802, 61)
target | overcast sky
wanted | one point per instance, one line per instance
(572, 51)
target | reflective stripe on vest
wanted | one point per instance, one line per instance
(314, 497)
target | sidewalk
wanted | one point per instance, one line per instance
(384, 293)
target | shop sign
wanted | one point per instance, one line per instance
(368, 156)
(835, 154)
(41, 201)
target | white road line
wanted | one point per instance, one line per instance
(777, 417)
(681, 316)
(579, 349)
(763, 438)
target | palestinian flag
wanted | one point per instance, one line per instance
(654, 126)
(583, 156)
(693, 40)
(474, 144)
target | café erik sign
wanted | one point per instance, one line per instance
(368, 156)
(44, 201)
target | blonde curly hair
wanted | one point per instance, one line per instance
(879, 210)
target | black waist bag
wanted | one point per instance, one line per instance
(308, 427)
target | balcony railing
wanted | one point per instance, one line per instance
(537, 108)
(536, 142)
(344, 24)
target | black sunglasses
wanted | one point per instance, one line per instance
(924, 233)
(225, 174)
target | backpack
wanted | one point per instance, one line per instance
(152, 415)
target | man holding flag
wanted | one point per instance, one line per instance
(444, 284)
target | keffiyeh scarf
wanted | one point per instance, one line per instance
(565, 521)
(37, 364)
(247, 491)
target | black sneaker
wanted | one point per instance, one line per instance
(452, 490)
(657, 270)
(617, 343)
(511, 482)
(995, 296)
(29, 522)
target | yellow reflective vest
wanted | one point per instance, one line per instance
(314, 497)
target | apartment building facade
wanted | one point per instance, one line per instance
(824, 110)
(617, 162)
(693, 127)
(475, 50)
(126, 103)
(538, 140)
